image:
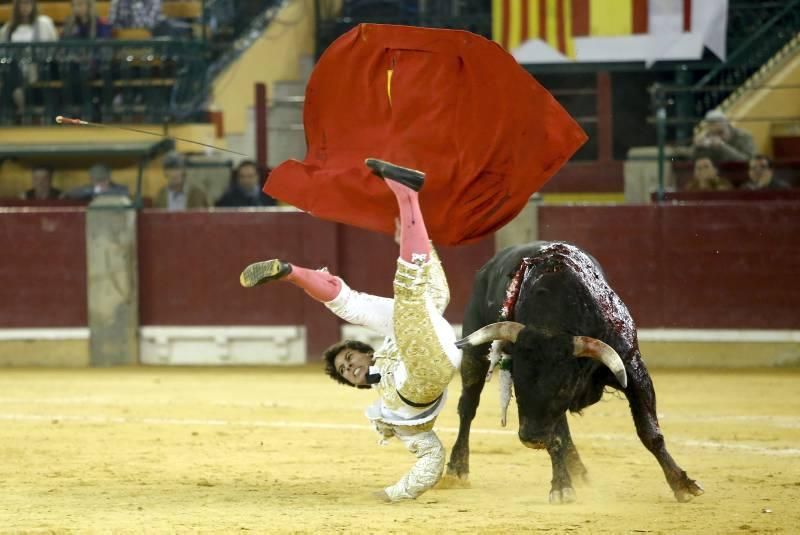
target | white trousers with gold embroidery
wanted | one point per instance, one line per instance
(425, 340)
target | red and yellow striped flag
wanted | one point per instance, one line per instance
(557, 22)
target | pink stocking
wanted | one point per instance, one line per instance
(413, 234)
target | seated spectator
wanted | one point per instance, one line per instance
(84, 23)
(761, 176)
(42, 182)
(178, 194)
(135, 13)
(706, 177)
(245, 187)
(101, 184)
(722, 142)
(25, 26)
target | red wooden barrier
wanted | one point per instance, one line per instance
(721, 265)
(43, 267)
(717, 265)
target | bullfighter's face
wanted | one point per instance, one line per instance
(353, 365)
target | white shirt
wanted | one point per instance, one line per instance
(26, 33)
(176, 200)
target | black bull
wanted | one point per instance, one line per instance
(563, 295)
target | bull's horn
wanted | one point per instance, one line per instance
(602, 352)
(503, 330)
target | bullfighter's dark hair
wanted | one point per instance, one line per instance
(335, 349)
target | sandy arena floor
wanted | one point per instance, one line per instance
(287, 450)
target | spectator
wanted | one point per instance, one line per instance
(706, 177)
(42, 182)
(245, 187)
(135, 13)
(761, 176)
(101, 184)
(722, 142)
(25, 26)
(83, 22)
(177, 194)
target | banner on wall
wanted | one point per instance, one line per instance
(552, 31)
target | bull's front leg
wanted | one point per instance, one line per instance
(474, 366)
(566, 463)
(576, 468)
(642, 399)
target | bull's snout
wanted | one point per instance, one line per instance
(533, 441)
(533, 434)
(535, 444)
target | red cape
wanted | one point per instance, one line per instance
(456, 106)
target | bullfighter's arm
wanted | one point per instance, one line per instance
(438, 289)
(364, 309)
(426, 472)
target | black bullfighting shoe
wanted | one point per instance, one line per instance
(405, 176)
(266, 271)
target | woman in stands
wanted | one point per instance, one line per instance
(26, 25)
(84, 23)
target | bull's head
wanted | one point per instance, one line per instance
(545, 372)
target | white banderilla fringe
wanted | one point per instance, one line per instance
(506, 383)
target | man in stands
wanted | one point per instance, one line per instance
(42, 182)
(178, 194)
(761, 176)
(245, 187)
(411, 370)
(722, 142)
(125, 14)
(101, 184)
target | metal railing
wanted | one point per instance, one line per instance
(775, 23)
(471, 15)
(103, 81)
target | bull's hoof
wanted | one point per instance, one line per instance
(564, 495)
(453, 481)
(691, 489)
(581, 477)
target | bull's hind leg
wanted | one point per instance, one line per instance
(642, 400)
(474, 366)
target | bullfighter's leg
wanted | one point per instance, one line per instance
(320, 285)
(425, 339)
(642, 400)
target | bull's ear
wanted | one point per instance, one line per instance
(593, 348)
(503, 330)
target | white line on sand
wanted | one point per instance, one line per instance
(102, 419)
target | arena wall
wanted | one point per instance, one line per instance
(703, 281)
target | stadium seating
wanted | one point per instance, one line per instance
(60, 10)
